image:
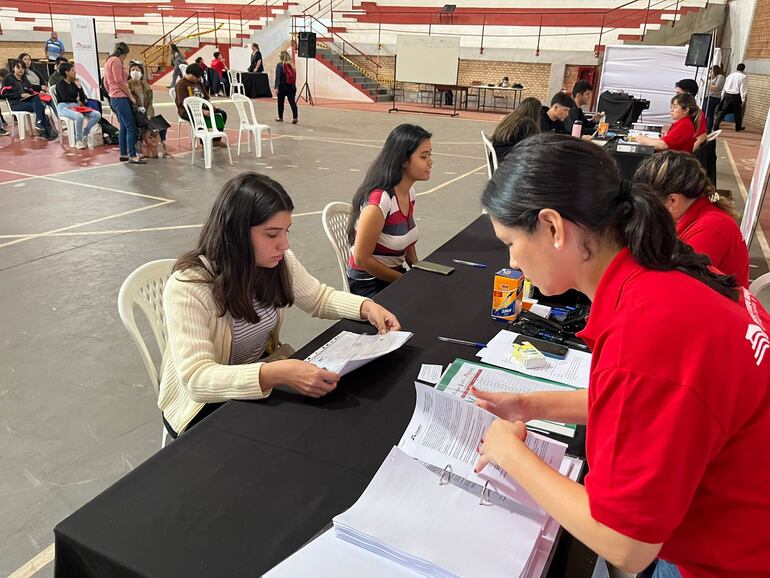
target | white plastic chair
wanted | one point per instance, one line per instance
(144, 288)
(194, 107)
(489, 154)
(249, 124)
(236, 86)
(759, 284)
(21, 118)
(335, 220)
(180, 122)
(68, 123)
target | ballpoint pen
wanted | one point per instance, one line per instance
(463, 342)
(470, 263)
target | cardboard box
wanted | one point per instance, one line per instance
(507, 294)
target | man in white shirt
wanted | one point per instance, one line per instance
(733, 98)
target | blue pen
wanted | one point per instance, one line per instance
(470, 263)
(463, 342)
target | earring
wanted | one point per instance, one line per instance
(556, 245)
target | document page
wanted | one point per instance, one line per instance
(462, 375)
(348, 351)
(574, 370)
(436, 530)
(445, 432)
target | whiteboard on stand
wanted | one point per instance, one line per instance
(427, 59)
(240, 58)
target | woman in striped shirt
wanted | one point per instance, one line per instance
(225, 300)
(381, 230)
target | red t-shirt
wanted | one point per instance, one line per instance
(711, 231)
(219, 66)
(681, 135)
(679, 419)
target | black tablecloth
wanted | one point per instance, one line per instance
(256, 84)
(254, 481)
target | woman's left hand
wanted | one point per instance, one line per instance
(498, 441)
(380, 317)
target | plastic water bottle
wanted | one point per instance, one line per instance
(577, 128)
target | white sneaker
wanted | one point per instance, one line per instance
(80, 145)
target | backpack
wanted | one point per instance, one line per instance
(289, 74)
(109, 133)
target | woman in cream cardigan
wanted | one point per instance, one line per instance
(225, 301)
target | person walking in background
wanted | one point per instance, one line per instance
(733, 99)
(256, 64)
(176, 60)
(286, 86)
(53, 48)
(715, 87)
(121, 99)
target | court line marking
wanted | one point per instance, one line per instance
(360, 144)
(36, 564)
(77, 225)
(759, 233)
(65, 233)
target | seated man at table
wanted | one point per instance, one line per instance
(552, 117)
(256, 59)
(219, 66)
(191, 84)
(582, 93)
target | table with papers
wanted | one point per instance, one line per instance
(256, 481)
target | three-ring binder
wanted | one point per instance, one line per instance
(484, 497)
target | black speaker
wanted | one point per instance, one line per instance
(699, 50)
(307, 44)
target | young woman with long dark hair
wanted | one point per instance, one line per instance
(681, 135)
(381, 230)
(704, 220)
(677, 410)
(225, 301)
(521, 123)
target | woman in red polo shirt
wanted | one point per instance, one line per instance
(681, 135)
(677, 411)
(704, 220)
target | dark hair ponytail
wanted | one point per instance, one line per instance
(593, 196)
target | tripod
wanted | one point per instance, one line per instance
(304, 92)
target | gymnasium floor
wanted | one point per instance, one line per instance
(76, 409)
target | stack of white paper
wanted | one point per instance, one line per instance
(573, 370)
(405, 515)
(348, 351)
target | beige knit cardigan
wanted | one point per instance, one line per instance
(194, 370)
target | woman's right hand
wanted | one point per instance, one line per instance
(302, 377)
(509, 406)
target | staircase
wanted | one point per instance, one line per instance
(353, 74)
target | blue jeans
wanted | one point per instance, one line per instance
(92, 118)
(665, 569)
(121, 106)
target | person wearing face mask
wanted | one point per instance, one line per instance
(69, 96)
(381, 230)
(143, 96)
(226, 299)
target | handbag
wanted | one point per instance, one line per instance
(157, 122)
(150, 144)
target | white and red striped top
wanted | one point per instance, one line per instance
(398, 233)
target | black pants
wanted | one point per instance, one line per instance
(712, 102)
(290, 91)
(730, 103)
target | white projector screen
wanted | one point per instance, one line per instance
(240, 58)
(427, 59)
